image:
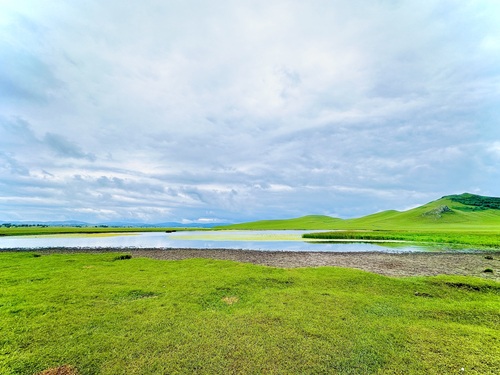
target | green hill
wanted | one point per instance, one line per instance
(304, 222)
(452, 212)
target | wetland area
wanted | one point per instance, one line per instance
(276, 248)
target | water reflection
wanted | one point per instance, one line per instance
(245, 240)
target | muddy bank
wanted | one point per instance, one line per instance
(389, 264)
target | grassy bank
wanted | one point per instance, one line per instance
(36, 230)
(107, 315)
(476, 239)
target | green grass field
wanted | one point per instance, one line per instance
(106, 315)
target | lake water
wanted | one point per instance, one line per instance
(245, 240)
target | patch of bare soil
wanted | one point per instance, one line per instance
(61, 370)
(230, 300)
(389, 264)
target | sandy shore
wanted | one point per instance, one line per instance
(389, 264)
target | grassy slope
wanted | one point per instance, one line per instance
(305, 222)
(414, 219)
(142, 316)
(422, 218)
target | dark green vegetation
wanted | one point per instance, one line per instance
(105, 314)
(455, 219)
(474, 239)
(477, 202)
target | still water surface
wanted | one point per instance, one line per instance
(245, 240)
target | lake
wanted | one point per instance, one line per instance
(289, 240)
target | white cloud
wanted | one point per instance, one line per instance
(245, 109)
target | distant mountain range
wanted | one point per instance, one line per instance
(464, 211)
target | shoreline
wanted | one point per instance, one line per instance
(395, 264)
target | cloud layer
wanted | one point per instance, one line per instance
(233, 111)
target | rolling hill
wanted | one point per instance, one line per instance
(451, 212)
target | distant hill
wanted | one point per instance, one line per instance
(464, 211)
(305, 222)
(112, 224)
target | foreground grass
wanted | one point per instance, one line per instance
(106, 315)
(477, 239)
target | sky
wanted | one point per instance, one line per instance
(230, 111)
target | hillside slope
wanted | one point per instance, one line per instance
(452, 212)
(300, 223)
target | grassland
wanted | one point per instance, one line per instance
(301, 223)
(445, 215)
(105, 314)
